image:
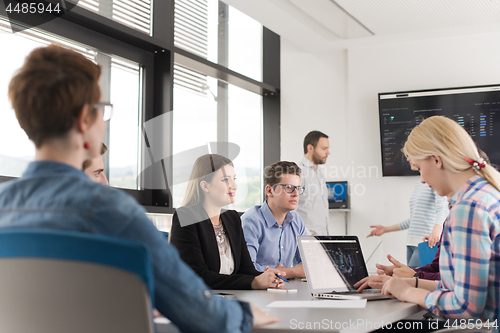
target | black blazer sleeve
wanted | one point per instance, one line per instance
(197, 246)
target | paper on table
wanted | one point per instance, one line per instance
(161, 320)
(327, 304)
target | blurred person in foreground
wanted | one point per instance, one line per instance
(56, 97)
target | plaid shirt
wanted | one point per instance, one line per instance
(470, 255)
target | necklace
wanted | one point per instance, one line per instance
(220, 235)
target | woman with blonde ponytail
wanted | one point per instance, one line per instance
(449, 163)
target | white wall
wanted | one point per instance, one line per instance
(336, 92)
(313, 97)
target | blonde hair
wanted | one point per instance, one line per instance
(441, 136)
(204, 169)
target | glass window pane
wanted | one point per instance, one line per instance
(245, 45)
(197, 106)
(245, 107)
(124, 126)
(16, 150)
(197, 29)
(195, 124)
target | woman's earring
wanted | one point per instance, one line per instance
(86, 145)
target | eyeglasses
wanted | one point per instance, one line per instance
(289, 188)
(107, 110)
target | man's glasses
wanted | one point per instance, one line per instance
(289, 188)
(107, 110)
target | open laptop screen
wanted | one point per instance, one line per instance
(333, 263)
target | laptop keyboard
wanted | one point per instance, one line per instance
(372, 291)
(350, 292)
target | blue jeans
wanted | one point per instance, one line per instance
(412, 256)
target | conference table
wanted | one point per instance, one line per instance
(376, 314)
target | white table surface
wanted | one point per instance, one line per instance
(375, 314)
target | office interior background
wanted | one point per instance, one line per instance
(335, 57)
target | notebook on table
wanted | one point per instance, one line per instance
(425, 253)
(333, 264)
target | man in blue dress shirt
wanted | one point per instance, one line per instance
(271, 229)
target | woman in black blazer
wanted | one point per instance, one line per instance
(210, 239)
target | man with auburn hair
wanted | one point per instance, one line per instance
(94, 168)
(55, 96)
(271, 229)
(313, 206)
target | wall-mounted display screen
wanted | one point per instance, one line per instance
(477, 109)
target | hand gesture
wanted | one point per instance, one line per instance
(268, 279)
(385, 270)
(432, 239)
(396, 288)
(262, 318)
(378, 230)
(374, 281)
(293, 272)
(400, 270)
(396, 269)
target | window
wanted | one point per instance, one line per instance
(221, 34)
(135, 14)
(206, 112)
(125, 93)
(210, 110)
(245, 107)
(124, 126)
(195, 27)
(245, 45)
(16, 150)
(195, 124)
(149, 146)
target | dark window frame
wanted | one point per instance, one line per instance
(156, 54)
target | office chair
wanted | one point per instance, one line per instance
(54, 281)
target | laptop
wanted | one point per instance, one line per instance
(333, 264)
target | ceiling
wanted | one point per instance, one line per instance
(326, 24)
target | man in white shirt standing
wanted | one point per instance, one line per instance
(313, 204)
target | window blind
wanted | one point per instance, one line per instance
(136, 14)
(188, 79)
(191, 26)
